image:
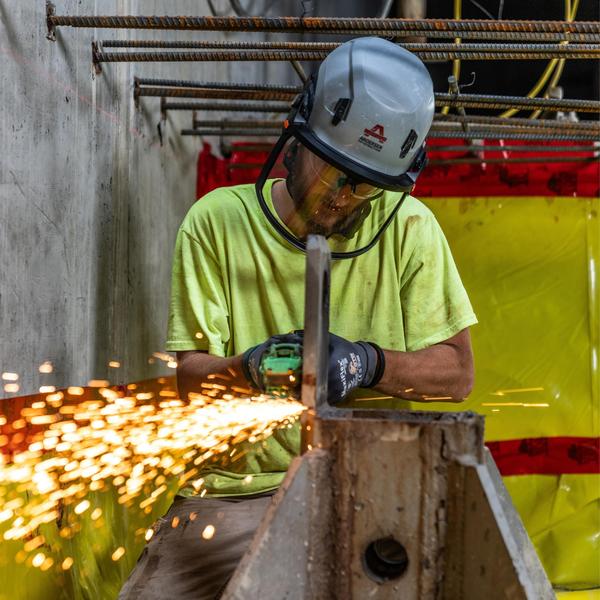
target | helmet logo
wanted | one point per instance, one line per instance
(376, 132)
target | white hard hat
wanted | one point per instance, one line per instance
(368, 112)
(358, 129)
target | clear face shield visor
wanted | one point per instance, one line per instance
(311, 196)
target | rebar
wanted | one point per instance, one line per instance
(559, 129)
(503, 102)
(245, 124)
(230, 132)
(510, 135)
(426, 52)
(335, 25)
(585, 126)
(226, 107)
(218, 85)
(220, 94)
(509, 148)
(530, 159)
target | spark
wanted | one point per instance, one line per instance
(517, 391)
(208, 532)
(149, 534)
(114, 364)
(141, 447)
(46, 367)
(525, 404)
(10, 376)
(11, 388)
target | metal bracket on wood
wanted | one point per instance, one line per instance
(50, 12)
(96, 50)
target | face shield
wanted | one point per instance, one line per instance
(312, 196)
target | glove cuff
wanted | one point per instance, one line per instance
(247, 368)
(375, 364)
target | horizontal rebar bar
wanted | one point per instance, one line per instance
(226, 107)
(502, 102)
(586, 126)
(218, 85)
(427, 53)
(583, 38)
(530, 159)
(509, 135)
(173, 92)
(235, 124)
(229, 132)
(319, 24)
(508, 148)
(479, 131)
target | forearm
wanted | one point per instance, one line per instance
(437, 373)
(197, 368)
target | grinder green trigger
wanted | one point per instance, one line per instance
(281, 368)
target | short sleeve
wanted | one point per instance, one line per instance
(198, 313)
(434, 302)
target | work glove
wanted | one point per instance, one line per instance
(352, 365)
(253, 356)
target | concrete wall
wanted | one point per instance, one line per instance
(90, 200)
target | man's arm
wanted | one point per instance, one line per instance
(442, 372)
(194, 368)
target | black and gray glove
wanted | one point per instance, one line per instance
(253, 356)
(352, 365)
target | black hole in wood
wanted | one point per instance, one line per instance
(385, 559)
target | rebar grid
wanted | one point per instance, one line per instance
(426, 52)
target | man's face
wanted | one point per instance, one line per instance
(326, 202)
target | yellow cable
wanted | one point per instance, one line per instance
(455, 62)
(550, 67)
(571, 12)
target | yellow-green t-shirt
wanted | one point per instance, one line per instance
(237, 282)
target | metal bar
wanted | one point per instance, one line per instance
(210, 93)
(496, 134)
(226, 107)
(316, 323)
(549, 131)
(532, 37)
(245, 124)
(218, 85)
(531, 159)
(586, 126)
(443, 123)
(230, 132)
(320, 24)
(501, 102)
(488, 148)
(445, 52)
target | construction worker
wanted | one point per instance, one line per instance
(352, 146)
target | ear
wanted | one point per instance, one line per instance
(290, 156)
